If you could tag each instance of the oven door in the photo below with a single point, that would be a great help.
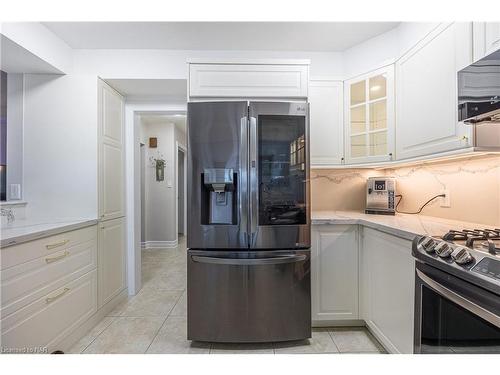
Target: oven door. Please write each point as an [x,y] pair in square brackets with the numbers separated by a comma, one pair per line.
[454,316]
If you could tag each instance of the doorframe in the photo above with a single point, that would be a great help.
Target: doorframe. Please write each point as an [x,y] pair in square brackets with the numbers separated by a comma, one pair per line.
[183,148]
[133,185]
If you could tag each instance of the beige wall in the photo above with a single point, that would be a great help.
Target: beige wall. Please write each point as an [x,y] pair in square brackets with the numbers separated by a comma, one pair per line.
[474,186]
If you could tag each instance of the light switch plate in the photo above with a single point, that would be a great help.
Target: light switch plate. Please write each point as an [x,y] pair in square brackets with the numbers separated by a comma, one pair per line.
[15,191]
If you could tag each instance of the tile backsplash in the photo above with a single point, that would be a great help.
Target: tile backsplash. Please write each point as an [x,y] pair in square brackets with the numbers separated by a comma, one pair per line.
[474,186]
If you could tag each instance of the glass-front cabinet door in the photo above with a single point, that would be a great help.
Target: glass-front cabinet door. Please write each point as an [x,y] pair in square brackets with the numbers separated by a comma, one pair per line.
[369,117]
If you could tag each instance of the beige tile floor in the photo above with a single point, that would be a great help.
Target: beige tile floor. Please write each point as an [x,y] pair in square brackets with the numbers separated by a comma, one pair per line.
[154,320]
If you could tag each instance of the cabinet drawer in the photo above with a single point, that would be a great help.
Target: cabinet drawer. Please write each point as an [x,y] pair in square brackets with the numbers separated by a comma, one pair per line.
[17,254]
[47,320]
[28,281]
[248,80]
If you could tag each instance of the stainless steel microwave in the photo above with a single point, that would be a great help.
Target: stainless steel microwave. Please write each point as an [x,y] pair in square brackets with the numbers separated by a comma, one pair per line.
[479,91]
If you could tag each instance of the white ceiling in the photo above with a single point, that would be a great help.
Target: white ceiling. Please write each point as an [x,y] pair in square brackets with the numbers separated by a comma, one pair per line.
[178,120]
[263,36]
[173,90]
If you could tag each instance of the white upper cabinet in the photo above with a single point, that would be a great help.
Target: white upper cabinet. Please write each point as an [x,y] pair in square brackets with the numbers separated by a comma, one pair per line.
[111,154]
[426,101]
[486,38]
[240,80]
[369,117]
[326,124]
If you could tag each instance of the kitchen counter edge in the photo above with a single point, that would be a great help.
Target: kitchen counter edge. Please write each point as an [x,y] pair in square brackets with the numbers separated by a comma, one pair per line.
[36,233]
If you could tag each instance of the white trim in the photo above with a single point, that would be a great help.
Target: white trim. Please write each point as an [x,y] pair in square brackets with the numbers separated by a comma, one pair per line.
[182,148]
[246,61]
[13,203]
[133,190]
[158,244]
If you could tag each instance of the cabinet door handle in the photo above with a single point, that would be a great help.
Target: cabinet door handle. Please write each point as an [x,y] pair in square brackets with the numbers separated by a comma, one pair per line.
[57,244]
[58,295]
[54,259]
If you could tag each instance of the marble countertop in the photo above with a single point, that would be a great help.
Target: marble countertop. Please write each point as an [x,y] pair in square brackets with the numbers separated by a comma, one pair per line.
[27,230]
[400,225]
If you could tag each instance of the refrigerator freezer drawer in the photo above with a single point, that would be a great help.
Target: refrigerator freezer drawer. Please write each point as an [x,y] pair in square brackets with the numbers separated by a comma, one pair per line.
[262,296]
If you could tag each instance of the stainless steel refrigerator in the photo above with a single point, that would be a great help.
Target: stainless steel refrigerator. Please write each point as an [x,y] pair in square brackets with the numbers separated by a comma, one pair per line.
[249,230]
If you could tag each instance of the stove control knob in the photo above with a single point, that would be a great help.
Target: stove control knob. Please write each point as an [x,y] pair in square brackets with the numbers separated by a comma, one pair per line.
[461,255]
[443,249]
[427,243]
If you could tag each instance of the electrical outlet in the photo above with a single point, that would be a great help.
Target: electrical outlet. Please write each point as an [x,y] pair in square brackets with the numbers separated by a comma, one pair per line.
[445,201]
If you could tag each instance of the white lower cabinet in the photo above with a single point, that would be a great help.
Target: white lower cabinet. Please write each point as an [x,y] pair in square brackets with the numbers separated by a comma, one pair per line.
[39,326]
[111,259]
[361,274]
[52,287]
[387,289]
[334,270]
[48,289]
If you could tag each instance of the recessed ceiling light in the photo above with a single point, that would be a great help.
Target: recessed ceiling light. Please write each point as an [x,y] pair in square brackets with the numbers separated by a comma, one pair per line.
[375,88]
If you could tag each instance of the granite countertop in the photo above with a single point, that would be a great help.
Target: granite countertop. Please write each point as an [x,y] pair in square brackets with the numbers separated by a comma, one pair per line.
[26,230]
[400,225]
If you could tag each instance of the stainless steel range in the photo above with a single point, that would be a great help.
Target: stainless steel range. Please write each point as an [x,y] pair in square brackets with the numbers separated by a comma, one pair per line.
[457,292]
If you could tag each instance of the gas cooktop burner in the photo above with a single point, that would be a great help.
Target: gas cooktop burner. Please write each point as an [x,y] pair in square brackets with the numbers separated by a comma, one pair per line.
[470,254]
[478,239]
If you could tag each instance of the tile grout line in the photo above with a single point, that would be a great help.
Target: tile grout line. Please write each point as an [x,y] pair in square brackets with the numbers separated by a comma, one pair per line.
[161,326]
[100,333]
[334,343]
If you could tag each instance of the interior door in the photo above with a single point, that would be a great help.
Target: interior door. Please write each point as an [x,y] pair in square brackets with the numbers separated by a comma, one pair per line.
[279,176]
[217,142]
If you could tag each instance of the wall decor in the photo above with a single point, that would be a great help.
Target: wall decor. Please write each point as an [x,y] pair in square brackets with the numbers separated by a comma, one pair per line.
[159,164]
[153,142]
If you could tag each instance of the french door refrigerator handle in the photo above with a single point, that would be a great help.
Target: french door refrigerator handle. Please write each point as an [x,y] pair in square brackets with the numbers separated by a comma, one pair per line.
[459,300]
[243,179]
[282,259]
[254,187]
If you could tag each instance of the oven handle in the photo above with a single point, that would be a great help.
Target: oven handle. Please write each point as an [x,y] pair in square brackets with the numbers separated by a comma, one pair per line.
[459,300]
[283,259]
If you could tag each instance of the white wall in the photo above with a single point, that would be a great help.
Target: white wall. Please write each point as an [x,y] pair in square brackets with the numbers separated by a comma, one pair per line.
[41,42]
[384,48]
[60,146]
[171,64]
[15,103]
[160,196]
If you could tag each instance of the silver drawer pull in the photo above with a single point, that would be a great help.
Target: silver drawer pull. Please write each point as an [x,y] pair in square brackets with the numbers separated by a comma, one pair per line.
[54,245]
[54,259]
[60,294]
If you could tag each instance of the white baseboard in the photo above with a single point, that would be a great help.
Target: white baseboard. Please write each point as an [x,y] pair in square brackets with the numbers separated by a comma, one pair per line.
[386,343]
[338,323]
[158,244]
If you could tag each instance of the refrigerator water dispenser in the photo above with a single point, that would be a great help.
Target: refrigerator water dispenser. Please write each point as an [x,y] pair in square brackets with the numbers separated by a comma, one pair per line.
[219,198]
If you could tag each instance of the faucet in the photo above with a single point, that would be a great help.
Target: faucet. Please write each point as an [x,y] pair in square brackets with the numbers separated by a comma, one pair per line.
[9,213]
